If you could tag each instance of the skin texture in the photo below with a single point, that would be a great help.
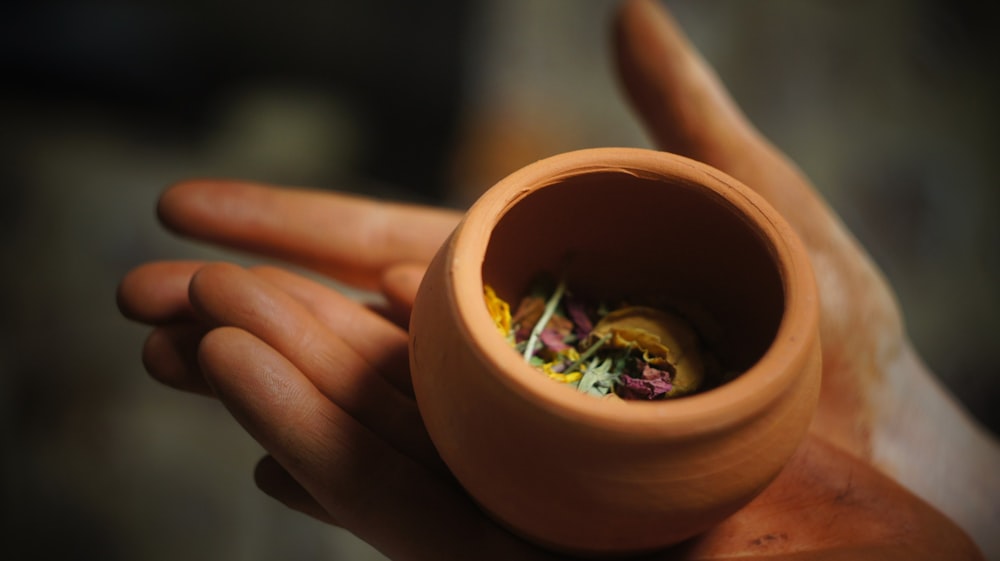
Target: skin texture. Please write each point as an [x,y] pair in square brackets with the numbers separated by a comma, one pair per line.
[321,381]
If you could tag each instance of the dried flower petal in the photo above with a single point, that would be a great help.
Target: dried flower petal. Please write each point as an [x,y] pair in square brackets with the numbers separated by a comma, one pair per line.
[581,321]
[566,378]
[553,340]
[528,312]
[641,388]
[499,310]
[665,340]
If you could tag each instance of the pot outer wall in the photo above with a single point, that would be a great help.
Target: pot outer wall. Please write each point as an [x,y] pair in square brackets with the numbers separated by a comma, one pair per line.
[609,477]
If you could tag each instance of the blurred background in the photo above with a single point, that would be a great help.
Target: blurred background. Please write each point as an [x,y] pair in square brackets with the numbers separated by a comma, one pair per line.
[889,106]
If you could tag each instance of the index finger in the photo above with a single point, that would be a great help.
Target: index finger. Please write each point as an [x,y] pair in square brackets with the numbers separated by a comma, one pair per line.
[348,237]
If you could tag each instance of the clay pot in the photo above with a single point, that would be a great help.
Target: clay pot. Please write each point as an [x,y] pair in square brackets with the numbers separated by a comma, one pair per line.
[595,476]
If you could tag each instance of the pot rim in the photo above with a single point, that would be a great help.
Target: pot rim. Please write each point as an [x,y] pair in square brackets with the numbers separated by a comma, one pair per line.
[733,402]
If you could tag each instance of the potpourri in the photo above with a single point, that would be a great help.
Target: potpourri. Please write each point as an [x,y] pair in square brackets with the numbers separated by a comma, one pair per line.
[629,351]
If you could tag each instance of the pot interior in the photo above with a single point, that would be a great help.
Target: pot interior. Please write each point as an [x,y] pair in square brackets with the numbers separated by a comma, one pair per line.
[666,243]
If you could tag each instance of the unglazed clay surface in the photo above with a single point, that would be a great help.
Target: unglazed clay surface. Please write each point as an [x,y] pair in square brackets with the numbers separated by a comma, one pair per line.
[608,477]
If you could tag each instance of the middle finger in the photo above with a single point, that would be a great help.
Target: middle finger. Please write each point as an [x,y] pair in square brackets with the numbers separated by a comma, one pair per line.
[368,333]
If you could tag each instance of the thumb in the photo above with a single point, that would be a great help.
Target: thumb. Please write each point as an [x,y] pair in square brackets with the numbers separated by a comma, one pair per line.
[688,111]
[681,100]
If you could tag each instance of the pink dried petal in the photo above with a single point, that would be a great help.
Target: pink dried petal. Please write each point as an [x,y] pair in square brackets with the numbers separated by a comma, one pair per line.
[650,372]
[639,388]
[553,340]
[652,383]
[581,321]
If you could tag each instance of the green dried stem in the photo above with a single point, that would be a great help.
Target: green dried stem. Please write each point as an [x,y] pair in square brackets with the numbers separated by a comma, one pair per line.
[550,308]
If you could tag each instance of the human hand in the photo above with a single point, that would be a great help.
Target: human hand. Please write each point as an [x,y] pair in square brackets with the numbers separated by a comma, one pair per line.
[878,401]
[322,381]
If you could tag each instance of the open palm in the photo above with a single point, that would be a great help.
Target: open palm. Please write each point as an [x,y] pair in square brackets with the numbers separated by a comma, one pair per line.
[322,381]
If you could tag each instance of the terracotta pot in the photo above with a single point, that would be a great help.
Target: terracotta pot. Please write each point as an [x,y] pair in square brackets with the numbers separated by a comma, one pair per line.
[605,477]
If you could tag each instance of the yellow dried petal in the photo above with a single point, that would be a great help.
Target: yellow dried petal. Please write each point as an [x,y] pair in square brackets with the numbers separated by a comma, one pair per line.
[565,378]
[499,310]
[663,339]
